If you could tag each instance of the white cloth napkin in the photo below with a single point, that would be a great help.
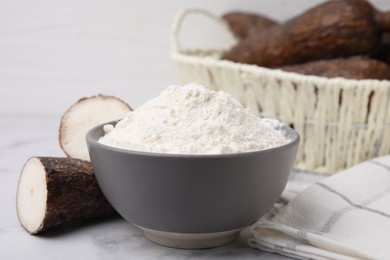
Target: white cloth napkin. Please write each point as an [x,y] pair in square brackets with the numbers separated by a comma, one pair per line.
[345,216]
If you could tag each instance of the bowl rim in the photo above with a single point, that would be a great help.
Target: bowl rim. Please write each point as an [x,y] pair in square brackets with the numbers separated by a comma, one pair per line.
[91,140]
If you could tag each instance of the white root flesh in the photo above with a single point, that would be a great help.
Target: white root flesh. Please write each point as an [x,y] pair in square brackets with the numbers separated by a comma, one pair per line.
[53,191]
[84,115]
[31,196]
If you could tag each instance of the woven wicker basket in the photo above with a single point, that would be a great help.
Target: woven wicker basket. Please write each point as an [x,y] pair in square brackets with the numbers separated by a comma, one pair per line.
[341,122]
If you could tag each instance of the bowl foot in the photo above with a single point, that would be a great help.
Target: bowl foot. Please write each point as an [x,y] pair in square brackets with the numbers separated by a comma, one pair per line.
[191,241]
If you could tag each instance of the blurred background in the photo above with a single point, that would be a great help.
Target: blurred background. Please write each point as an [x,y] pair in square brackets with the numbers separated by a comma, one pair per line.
[52,53]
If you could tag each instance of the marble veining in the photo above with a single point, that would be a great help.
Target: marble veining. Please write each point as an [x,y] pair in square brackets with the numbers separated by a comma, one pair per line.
[107,238]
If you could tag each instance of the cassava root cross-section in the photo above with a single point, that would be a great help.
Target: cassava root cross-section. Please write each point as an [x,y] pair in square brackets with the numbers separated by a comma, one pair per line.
[53,191]
[84,115]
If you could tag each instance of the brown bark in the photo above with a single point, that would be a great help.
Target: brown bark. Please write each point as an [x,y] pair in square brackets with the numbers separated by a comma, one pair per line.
[382,51]
[350,68]
[383,19]
[244,24]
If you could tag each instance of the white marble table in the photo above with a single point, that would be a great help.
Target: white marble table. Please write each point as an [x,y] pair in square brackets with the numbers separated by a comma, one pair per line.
[109,238]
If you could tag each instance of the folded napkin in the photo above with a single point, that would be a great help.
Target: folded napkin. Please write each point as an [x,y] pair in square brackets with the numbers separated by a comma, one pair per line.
[345,216]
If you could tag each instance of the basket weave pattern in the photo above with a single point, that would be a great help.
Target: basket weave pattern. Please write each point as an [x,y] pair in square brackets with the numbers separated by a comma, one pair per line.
[341,122]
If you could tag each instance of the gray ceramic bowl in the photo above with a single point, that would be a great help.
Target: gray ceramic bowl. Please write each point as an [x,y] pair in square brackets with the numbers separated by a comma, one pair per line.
[191,201]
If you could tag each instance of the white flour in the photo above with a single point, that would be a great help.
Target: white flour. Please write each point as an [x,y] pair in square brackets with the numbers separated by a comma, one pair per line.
[193,120]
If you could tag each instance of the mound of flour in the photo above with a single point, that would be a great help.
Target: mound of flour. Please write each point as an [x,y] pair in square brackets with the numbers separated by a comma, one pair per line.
[191,119]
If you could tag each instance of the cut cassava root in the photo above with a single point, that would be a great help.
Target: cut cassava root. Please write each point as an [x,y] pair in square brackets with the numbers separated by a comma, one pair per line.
[84,115]
[53,191]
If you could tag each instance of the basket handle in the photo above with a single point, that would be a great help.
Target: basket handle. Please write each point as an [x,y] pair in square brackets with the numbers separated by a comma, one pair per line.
[180,17]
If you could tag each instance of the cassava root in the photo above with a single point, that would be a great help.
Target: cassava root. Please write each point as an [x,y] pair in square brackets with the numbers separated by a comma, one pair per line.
[349,68]
[244,24]
[53,191]
[333,29]
[82,116]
